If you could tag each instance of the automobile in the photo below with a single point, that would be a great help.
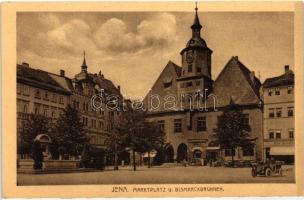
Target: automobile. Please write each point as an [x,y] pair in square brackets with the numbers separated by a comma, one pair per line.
[197,162]
[268,168]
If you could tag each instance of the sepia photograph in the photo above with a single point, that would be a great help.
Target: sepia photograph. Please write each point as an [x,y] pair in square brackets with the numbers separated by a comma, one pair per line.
[124,99]
[155,97]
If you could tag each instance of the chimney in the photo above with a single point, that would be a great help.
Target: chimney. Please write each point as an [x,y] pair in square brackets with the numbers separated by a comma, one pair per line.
[62,72]
[118,87]
[286,68]
[25,64]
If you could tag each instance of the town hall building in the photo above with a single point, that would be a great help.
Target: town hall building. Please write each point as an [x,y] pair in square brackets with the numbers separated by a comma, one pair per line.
[189,119]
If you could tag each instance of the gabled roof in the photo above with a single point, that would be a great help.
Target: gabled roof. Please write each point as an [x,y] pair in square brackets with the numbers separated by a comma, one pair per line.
[237,83]
[285,79]
[38,78]
[105,84]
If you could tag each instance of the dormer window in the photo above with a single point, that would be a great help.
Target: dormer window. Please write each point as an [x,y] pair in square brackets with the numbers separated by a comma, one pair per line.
[167,82]
[289,90]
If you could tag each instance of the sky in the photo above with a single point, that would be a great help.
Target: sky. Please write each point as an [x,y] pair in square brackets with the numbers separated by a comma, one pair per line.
[132,48]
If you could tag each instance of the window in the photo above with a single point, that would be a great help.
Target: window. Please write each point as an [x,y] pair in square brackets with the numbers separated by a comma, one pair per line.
[45,112]
[201,124]
[19,89]
[248,152]
[25,108]
[271,135]
[167,85]
[189,84]
[270,92]
[190,68]
[177,125]
[46,95]
[37,93]
[161,125]
[290,111]
[245,119]
[54,98]
[279,112]
[198,83]
[277,91]
[278,135]
[229,152]
[61,99]
[291,133]
[289,90]
[189,97]
[26,90]
[271,113]
[198,69]
[100,124]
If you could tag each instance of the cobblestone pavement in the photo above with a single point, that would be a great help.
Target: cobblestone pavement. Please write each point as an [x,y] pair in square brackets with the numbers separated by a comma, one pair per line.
[144,175]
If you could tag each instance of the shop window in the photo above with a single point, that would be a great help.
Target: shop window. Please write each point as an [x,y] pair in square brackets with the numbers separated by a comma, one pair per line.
[177,125]
[229,152]
[248,152]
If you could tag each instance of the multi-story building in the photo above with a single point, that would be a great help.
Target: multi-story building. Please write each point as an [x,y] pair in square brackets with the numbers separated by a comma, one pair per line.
[38,93]
[278,97]
[48,94]
[187,102]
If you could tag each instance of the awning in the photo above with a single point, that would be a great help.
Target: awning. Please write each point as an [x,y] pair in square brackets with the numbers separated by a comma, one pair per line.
[281,151]
[213,148]
[152,154]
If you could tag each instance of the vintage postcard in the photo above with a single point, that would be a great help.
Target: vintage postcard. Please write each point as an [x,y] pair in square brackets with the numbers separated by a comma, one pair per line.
[152,99]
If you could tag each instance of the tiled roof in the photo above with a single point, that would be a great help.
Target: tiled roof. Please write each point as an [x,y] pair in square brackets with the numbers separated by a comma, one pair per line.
[285,79]
[38,78]
[177,68]
[105,84]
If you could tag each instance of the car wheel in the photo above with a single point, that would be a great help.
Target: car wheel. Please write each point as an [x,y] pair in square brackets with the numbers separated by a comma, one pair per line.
[267,172]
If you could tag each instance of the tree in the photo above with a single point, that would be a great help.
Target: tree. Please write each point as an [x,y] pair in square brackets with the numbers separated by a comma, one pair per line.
[31,127]
[69,133]
[232,130]
[152,138]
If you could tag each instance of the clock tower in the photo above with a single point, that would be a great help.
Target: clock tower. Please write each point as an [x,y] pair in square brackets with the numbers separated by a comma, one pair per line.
[196,64]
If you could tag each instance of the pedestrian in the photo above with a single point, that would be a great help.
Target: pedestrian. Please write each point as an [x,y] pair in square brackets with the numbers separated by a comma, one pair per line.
[185,163]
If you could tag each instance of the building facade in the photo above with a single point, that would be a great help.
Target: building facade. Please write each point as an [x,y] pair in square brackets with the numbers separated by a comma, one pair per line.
[48,94]
[186,102]
[278,97]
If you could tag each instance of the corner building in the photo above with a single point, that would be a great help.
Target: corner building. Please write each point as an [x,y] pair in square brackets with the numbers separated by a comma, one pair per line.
[189,119]
[278,97]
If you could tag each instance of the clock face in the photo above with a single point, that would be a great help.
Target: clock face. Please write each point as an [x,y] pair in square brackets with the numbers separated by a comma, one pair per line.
[189,56]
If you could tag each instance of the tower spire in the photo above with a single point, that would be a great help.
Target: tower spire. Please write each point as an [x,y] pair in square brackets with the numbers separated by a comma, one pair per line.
[196,27]
[84,64]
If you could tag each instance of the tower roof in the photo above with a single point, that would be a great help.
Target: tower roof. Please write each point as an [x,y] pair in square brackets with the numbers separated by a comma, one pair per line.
[196,23]
[84,64]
